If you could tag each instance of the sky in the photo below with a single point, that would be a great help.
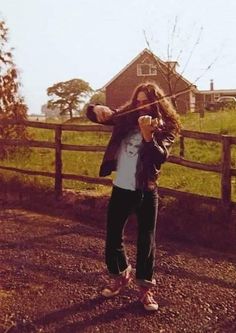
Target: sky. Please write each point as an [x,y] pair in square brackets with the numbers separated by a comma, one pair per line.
[58,40]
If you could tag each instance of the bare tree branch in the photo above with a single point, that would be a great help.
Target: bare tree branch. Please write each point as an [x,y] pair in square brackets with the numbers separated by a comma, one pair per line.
[172,38]
[190,56]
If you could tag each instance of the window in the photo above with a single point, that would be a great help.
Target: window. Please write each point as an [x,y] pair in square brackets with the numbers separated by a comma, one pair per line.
[146,69]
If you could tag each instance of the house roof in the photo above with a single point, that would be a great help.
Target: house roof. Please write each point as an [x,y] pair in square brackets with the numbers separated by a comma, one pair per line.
[218,91]
[138,56]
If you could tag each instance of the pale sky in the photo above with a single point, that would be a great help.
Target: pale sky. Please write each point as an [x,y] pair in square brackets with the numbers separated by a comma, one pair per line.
[58,40]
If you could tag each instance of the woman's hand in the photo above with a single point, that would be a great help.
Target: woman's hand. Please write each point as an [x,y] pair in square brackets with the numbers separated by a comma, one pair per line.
[147,126]
[103,113]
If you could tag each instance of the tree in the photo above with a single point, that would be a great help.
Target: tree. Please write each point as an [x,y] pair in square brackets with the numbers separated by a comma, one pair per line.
[97,98]
[172,87]
[12,106]
[68,95]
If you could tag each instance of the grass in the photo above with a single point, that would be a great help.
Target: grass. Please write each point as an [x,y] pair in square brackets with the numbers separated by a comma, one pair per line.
[172,176]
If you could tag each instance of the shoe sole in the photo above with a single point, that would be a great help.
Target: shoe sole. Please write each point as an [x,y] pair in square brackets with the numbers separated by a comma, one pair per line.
[150,309]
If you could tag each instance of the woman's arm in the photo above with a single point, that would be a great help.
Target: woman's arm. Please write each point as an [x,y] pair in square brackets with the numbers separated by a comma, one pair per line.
[100,114]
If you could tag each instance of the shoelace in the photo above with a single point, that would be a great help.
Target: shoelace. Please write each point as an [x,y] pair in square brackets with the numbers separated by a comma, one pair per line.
[148,298]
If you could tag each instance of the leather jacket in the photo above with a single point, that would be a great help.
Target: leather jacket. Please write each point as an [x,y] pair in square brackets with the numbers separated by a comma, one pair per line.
[152,154]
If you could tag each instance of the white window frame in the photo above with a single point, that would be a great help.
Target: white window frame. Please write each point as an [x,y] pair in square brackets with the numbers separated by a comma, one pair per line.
[152,69]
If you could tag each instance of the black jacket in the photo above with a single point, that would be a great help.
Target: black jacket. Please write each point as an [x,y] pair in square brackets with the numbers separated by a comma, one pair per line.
[152,154]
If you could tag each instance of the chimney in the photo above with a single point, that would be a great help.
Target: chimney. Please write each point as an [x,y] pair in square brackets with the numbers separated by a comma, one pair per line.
[212,85]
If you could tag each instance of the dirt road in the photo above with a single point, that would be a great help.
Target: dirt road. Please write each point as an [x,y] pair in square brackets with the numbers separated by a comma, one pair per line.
[52,272]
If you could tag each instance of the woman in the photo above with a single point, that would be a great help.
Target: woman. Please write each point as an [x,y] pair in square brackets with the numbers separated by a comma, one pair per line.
[143,133]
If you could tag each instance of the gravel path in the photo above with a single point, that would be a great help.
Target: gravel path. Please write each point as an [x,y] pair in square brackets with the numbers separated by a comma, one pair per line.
[52,272]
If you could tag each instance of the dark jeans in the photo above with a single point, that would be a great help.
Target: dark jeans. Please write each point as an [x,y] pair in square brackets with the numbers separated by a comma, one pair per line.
[122,204]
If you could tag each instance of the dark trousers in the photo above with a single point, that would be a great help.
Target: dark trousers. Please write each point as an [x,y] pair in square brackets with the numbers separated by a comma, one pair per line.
[122,204]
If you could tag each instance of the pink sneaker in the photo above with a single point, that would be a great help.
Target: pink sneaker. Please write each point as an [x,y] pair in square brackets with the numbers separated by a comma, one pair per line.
[116,285]
[146,298]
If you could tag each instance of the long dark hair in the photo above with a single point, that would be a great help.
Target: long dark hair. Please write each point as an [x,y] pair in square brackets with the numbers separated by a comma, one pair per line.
[160,107]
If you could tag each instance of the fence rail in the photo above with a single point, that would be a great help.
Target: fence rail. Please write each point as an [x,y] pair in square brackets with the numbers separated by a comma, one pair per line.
[224,168]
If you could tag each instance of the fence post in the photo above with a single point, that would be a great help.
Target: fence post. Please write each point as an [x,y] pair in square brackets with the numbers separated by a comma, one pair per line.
[226,173]
[181,146]
[58,162]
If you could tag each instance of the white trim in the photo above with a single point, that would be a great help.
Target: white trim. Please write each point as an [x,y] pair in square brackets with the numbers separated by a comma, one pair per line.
[218,91]
[152,70]
[136,58]
[124,69]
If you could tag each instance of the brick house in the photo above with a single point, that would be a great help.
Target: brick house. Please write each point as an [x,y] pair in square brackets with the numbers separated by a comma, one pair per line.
[148,67]
[206,97]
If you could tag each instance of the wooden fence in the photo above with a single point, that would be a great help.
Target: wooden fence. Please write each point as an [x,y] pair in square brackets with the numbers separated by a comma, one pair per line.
[224,168]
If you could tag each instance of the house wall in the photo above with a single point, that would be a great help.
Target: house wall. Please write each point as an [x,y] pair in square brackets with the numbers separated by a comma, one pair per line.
[200,102]
[203,98]
[183,102]
[119,91]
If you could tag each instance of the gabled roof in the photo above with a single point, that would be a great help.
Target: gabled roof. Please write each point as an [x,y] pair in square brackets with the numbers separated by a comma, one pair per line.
[136,58]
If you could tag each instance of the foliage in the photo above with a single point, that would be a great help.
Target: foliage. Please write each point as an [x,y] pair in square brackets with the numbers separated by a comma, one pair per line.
[97,98]
[12,105]
[172,176]
[67,96]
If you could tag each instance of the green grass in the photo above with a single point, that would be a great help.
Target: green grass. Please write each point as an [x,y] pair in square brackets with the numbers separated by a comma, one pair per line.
[190,180]
[221,122]
[87,163]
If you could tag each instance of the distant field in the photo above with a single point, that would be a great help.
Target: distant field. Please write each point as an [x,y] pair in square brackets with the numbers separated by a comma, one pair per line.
[172,176]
